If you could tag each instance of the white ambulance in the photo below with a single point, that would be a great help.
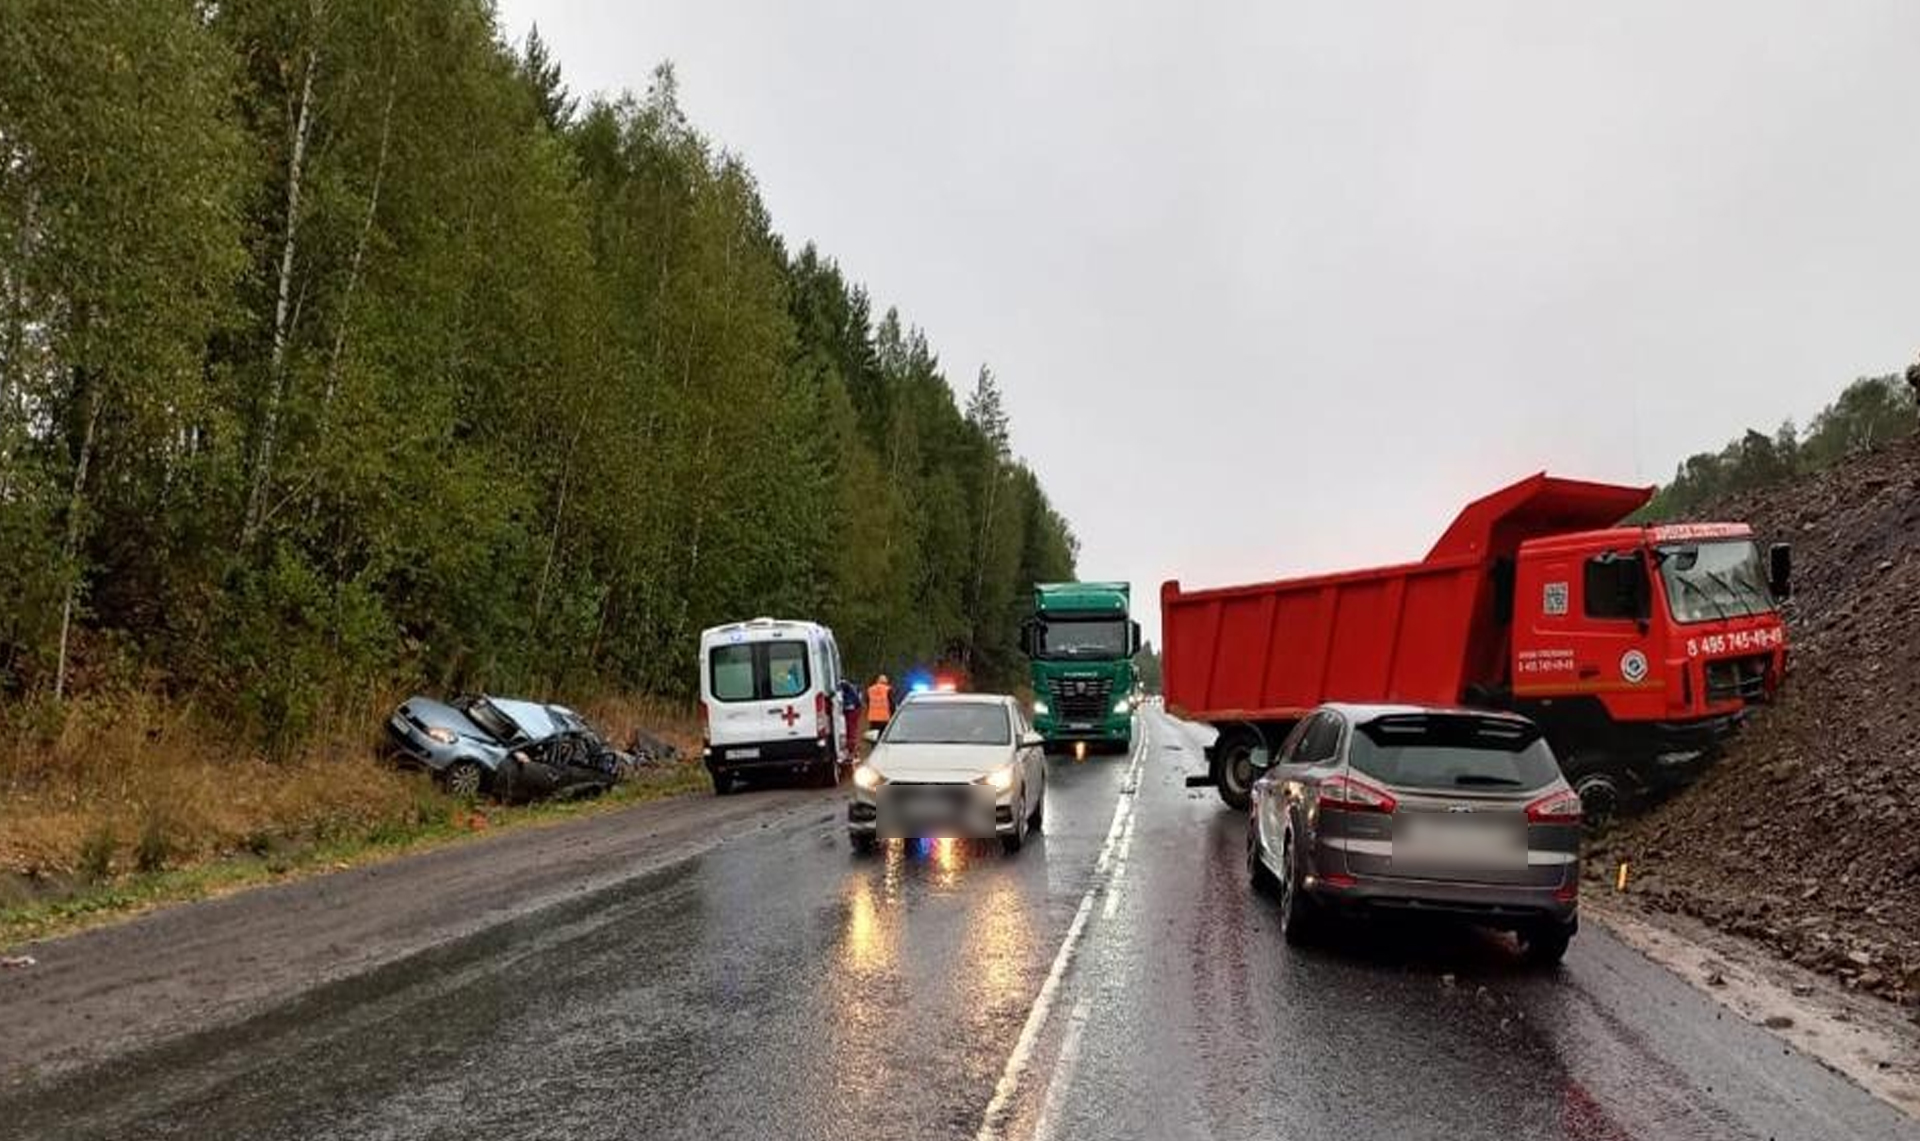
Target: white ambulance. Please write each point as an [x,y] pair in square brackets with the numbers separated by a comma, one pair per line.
[770,700]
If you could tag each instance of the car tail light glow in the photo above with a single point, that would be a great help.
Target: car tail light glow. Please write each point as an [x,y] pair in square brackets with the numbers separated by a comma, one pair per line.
[1568,892]
[1348,794]
[1555,808]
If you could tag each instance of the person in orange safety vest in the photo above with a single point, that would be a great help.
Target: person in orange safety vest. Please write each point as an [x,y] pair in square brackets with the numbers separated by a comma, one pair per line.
[879,703]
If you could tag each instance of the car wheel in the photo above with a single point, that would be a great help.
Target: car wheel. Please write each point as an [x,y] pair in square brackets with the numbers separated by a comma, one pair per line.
[724,784]
[1038,818]
[1258,873]
[1299,915]
[1545,944]
[465,779]
[863,843]
[1015,840]
[828,775]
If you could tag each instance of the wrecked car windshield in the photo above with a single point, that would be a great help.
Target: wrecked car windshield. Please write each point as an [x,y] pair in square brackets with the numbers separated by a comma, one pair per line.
[485,714]
[1714,581]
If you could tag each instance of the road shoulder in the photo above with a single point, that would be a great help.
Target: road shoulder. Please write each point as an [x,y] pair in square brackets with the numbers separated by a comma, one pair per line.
[1865,1039]
[112,990]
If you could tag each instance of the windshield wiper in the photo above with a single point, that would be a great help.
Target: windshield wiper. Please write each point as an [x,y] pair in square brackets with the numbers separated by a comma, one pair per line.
[1681,578]
[1732,592]
[1484,780]
[1764,598]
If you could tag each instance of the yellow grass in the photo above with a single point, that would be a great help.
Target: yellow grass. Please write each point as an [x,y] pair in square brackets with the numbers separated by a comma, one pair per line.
[136,783]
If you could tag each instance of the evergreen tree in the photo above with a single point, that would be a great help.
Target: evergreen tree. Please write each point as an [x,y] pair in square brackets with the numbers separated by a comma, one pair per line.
[541,73]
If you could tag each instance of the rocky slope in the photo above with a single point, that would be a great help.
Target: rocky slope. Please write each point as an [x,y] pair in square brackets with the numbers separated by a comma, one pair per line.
[1806,836]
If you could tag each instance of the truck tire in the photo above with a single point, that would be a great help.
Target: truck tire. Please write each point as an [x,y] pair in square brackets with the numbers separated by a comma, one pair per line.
[1601,784]
[1233,765]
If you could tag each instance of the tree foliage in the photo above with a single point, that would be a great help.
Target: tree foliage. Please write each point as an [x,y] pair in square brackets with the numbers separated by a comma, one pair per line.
[1869,412]
[342,348]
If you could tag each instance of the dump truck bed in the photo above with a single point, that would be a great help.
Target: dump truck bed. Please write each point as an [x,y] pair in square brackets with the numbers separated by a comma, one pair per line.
[1416,632]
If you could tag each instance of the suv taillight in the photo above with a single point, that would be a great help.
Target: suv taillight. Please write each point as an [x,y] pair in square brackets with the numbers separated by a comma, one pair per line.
[1346,794]
[823,710]
[1555,808]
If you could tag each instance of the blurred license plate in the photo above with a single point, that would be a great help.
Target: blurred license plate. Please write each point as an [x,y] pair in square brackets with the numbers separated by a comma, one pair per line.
[742,754]
[1460,841]
[935,810]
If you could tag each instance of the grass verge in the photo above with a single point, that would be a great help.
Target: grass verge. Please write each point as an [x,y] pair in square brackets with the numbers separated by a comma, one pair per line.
[64,908]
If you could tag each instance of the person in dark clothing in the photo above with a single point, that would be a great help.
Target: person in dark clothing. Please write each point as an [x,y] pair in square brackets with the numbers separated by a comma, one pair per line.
[850,705]
[1913,381]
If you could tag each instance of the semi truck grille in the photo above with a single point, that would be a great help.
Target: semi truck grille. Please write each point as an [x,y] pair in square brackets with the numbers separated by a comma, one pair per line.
[1080,699]
[1745,678]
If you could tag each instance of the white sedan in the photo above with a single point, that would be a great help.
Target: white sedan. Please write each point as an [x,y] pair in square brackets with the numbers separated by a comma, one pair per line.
[951,764]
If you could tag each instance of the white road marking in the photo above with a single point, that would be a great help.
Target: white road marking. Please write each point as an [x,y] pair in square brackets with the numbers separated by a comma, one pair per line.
[1008,1086]
[1119,869]
[1062,1077]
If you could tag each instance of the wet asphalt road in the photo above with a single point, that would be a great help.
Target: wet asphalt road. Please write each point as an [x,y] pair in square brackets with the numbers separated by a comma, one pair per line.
[1115,979]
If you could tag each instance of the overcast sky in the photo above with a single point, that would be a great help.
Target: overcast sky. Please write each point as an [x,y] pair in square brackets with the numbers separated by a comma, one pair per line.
[1274,288]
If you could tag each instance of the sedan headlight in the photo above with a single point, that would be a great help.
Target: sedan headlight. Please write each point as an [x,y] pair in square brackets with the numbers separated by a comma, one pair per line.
[443,734]
[868,777]
[1000,780]
[1040,709]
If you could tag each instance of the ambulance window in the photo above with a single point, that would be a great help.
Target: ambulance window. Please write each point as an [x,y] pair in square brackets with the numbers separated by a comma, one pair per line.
[786,669]
[733,672]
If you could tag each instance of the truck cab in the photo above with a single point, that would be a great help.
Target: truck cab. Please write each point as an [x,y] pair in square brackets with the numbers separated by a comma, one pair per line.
[1081,642]
[1666,633]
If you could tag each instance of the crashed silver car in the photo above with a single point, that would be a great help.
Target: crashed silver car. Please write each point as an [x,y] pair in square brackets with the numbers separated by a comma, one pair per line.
[504,748]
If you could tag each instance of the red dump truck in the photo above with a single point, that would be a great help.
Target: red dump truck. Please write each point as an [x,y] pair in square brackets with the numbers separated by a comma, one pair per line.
[1637,648]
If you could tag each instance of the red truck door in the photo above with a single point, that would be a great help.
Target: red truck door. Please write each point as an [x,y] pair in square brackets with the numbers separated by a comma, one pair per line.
[1581,629]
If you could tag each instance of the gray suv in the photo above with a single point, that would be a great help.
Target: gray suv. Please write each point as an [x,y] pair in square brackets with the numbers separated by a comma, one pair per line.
[1419,809]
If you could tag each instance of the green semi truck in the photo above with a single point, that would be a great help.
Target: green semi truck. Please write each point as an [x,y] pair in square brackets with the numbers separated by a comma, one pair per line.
[1081,643]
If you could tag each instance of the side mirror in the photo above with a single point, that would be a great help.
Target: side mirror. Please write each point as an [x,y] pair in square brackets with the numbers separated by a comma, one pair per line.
[1133,638]
[871,736]
[1032,740]
[1780,571]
